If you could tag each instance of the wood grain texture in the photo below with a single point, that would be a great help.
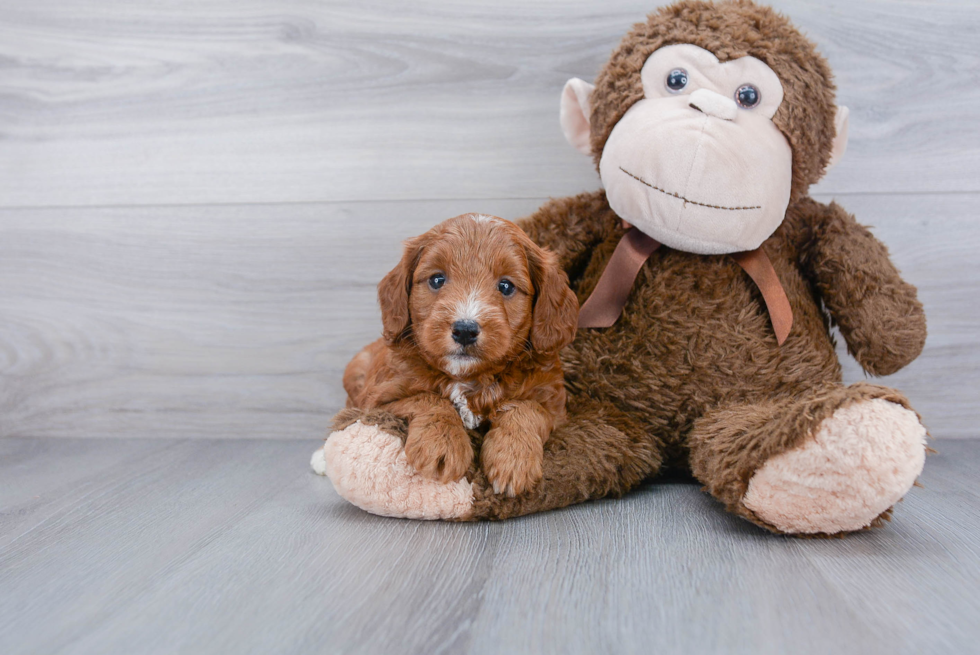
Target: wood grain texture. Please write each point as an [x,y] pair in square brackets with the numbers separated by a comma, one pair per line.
[202,546]
[112,102]
[237,321]
[232,321]
[129,310]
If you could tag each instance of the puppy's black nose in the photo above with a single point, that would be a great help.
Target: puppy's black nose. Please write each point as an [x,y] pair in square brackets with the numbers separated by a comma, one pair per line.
[465,332]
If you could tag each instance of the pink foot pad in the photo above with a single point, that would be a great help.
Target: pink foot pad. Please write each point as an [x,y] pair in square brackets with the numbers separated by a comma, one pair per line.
[368,469]
[860,462]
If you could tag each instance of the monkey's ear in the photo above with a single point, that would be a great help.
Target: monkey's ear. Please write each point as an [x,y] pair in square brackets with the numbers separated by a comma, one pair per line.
[840,139]
[575,111]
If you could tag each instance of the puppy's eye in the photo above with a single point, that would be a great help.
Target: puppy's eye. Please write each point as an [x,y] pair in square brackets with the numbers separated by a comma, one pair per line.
[436,281]
[506,287]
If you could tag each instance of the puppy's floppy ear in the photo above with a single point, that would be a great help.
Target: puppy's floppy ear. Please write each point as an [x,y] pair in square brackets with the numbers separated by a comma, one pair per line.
[555,315]
[394,289]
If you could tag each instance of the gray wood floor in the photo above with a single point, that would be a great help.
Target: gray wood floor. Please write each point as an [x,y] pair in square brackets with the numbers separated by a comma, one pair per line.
[204,546]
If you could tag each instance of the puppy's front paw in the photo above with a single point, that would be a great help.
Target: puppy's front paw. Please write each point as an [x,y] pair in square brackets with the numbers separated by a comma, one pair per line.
[438,451]
[512,461]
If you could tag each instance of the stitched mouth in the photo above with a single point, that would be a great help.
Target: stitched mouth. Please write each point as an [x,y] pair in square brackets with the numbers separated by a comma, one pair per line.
[687,200]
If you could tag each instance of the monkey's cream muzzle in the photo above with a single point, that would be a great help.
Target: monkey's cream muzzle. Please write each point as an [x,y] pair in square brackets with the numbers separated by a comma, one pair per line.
[694,179]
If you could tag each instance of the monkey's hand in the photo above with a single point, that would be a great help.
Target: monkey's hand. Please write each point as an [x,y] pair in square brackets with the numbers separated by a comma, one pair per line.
[877,311]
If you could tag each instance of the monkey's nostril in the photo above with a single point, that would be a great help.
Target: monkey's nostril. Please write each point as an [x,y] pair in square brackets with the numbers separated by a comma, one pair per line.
[465,332]
[714,104]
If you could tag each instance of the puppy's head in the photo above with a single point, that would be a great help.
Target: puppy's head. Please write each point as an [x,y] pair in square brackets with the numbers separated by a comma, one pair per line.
[475,291]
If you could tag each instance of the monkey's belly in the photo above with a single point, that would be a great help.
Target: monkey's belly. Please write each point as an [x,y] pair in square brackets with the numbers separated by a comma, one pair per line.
[695,334]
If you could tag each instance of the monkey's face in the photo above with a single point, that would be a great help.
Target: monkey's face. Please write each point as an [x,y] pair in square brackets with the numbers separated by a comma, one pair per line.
[700,154]
[698,164]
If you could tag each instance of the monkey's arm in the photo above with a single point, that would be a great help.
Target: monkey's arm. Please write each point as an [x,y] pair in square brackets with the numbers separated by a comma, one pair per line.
[571,227]
[877,311]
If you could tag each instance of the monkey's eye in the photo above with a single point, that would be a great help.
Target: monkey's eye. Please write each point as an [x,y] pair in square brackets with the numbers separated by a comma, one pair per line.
[676,79]
[747,96]
[436,281]
[506,287]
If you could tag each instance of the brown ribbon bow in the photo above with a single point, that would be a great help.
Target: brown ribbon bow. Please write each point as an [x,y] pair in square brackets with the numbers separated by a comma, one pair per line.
[604,306]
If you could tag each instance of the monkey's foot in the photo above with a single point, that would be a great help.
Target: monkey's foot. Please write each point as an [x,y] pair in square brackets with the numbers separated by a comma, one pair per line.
[368,468]
[861,461]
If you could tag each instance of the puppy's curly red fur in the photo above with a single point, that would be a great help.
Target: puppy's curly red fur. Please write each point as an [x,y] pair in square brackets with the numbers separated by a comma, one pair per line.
[484,272]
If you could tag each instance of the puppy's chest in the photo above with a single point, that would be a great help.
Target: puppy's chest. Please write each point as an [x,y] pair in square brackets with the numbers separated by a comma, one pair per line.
[473,402]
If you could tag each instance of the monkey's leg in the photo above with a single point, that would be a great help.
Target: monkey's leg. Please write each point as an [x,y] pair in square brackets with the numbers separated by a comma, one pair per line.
[587,457]
[834,460]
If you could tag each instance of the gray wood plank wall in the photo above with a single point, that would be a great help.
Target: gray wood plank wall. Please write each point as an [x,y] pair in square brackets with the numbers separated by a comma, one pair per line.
[197,198]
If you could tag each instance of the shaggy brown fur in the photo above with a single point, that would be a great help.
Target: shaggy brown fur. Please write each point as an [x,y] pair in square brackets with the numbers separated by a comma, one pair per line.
[691,376]
[509,375]
[693,366]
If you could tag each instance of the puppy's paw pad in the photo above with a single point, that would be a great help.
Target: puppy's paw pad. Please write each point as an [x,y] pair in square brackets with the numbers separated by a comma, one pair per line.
[369,469]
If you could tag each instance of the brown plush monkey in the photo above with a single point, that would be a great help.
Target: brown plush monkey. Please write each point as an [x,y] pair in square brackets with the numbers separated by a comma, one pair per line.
[708,125]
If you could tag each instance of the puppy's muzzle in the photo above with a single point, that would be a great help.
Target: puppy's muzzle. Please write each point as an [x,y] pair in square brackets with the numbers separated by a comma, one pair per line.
[465,332]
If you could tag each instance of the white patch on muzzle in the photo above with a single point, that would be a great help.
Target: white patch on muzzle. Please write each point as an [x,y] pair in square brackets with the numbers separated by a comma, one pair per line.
[469,309]
[458,365]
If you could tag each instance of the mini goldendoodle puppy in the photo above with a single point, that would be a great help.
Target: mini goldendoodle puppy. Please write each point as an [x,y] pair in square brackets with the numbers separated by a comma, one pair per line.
[474,317]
